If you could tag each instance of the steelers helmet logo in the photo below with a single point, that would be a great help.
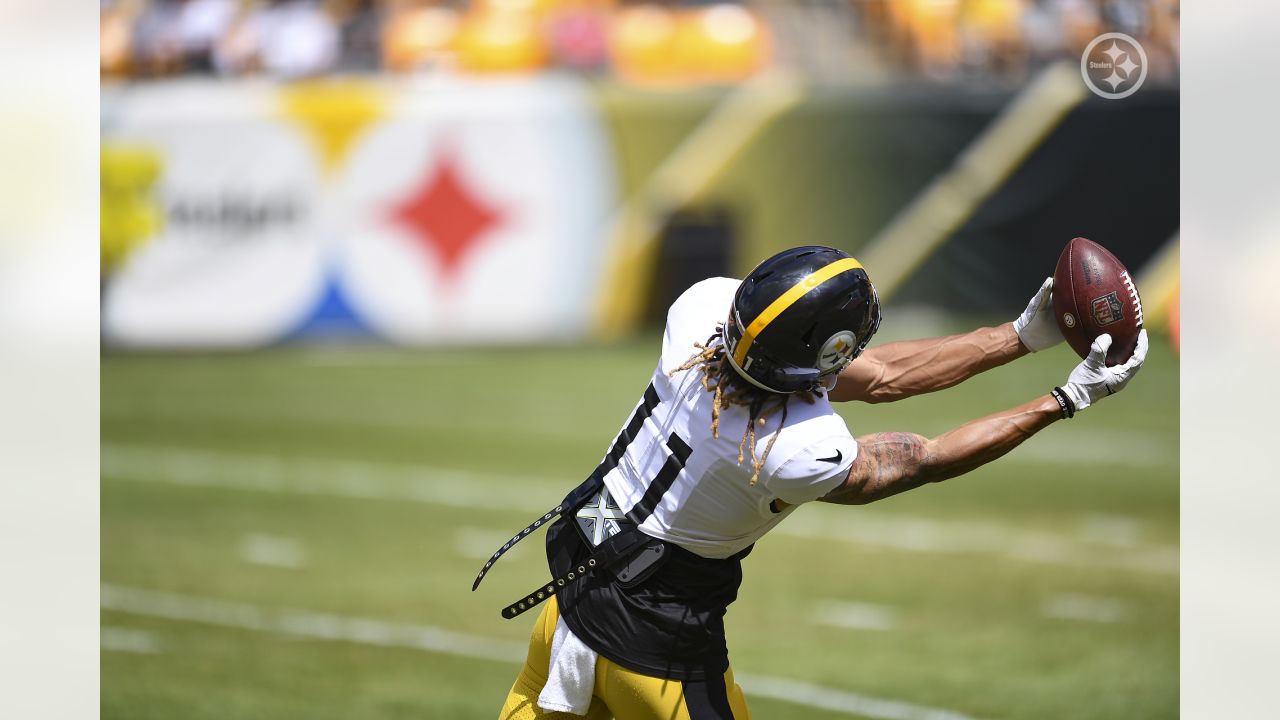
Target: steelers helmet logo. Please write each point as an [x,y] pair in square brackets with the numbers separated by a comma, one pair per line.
[1069,320]
[837,351]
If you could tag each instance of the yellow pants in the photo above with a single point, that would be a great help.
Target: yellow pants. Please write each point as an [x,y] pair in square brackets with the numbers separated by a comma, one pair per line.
[620,692]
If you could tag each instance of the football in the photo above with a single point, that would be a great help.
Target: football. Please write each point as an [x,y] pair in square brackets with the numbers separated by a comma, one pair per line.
[1094,294]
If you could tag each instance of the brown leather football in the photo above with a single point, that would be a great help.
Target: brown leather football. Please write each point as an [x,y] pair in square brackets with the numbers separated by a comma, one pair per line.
[1094,294]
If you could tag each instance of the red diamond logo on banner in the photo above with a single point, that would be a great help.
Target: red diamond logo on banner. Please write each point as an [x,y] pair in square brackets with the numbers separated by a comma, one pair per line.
[446,217]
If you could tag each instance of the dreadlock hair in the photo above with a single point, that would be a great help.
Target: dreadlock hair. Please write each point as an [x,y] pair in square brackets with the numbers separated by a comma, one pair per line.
[719,377]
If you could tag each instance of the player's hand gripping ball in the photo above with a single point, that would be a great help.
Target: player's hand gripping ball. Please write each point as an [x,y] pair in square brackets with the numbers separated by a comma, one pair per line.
[1093,295]
[1092,380]
[1035,326]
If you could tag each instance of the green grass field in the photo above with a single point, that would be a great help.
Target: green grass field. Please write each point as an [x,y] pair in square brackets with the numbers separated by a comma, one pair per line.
[293,533]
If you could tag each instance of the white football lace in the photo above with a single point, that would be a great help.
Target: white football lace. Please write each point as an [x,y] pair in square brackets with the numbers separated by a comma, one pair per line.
[1133,294]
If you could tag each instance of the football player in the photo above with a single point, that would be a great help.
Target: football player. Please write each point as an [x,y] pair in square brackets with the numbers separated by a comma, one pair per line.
[736,430]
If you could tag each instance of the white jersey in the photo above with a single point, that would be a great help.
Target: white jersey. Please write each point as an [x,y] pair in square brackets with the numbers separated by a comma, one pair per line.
[689,487]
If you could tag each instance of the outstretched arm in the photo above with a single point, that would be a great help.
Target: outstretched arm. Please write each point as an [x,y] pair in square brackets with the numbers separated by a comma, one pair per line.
[890,463]
[901,369]
[894,462]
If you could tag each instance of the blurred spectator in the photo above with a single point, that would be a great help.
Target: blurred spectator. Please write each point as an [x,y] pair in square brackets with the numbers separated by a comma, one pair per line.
[1126,16]
[1163,50]
[641,41]
[285,38]
[198,27]
[418,35]
[502,37]
[708,43]
[237,51]
[118,18]
[579,32]
[168,36]
[156,50]
[360,35]
[1080,22]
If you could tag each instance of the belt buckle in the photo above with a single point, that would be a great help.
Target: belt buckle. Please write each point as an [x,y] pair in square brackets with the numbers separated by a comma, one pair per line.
[600,518]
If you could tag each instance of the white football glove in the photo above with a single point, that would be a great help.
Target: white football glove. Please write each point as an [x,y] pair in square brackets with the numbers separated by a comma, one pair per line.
[1036,327]
[1092,380]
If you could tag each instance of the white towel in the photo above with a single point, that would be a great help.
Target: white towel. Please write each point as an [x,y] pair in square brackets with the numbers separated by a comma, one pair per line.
[571,678]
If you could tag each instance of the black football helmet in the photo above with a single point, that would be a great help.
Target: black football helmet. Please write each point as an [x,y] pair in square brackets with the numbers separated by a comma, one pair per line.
[799,318]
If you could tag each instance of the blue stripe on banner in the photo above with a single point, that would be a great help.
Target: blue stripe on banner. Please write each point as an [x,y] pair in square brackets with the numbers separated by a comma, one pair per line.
[331,317]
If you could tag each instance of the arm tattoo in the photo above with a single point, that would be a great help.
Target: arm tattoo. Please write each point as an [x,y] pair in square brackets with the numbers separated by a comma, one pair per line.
[894,462]
[887,464]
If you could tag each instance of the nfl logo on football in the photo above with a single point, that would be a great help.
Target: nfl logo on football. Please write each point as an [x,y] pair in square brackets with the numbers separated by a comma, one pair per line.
[1107,309]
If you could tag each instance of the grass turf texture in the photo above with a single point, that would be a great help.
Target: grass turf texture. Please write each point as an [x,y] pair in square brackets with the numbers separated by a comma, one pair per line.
[1043,586]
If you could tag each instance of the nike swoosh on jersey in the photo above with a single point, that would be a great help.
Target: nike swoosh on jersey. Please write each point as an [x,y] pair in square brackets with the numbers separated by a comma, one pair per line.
[834,460]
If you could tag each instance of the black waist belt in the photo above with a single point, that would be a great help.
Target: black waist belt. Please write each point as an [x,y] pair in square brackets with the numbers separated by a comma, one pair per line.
[608,551]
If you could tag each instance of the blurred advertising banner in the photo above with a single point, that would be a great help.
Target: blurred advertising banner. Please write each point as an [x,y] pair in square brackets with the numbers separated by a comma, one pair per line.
[437,210]
[409,212]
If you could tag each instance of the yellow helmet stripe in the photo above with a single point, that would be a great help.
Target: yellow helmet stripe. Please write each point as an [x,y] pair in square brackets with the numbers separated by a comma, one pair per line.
[786,300]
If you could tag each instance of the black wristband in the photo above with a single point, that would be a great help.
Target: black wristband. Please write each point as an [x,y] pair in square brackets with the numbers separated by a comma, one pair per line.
[1064,402]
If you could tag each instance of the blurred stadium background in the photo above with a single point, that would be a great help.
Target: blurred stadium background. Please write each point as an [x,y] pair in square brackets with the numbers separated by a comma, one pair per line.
[381,279]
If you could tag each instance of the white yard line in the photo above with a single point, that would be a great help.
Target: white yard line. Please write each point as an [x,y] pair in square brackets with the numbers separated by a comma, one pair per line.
[273,551]
[855,615]
[1080,446]
[480,491]
[558,423]
[366,631]
[1114,530]
[915,534]
[1090,608]
[340,478]
[354,356]
[304,623]
[116,639]
[841,701]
